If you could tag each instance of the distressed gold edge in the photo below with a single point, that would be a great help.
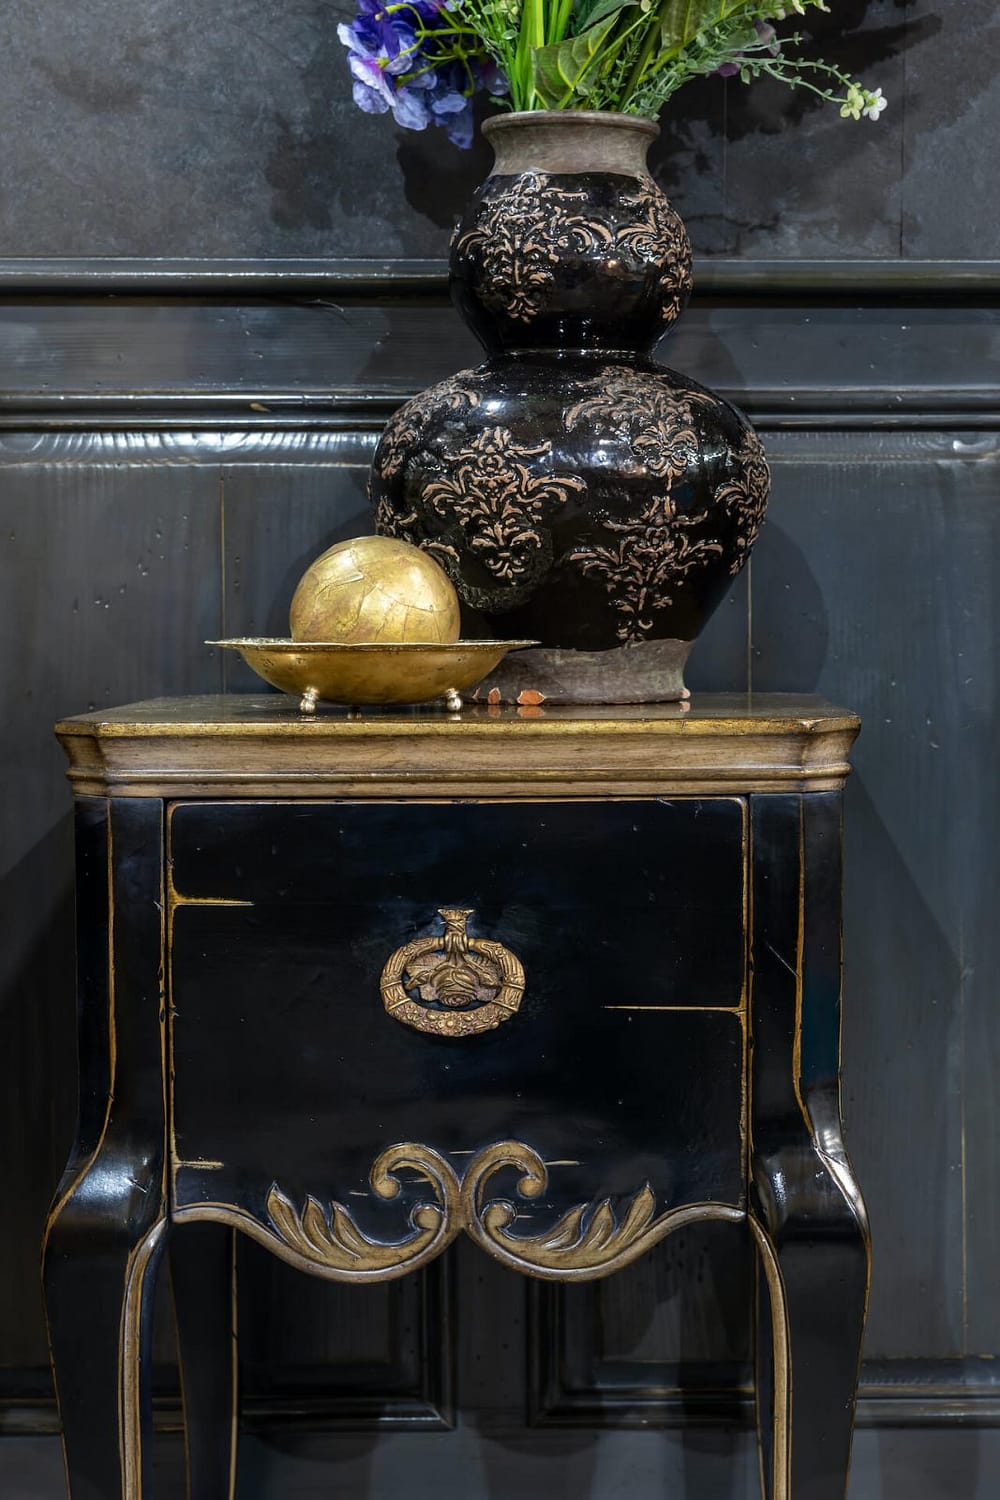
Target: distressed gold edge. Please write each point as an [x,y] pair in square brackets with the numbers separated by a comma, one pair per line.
[579,748]
[781,1366]
[758,1434]
[170,914]
[673,1220]
[234,1369]
[747,875]
[855,1197]
[842,1172]
[238,1218]
[137,1265]
[748,1096]
[230,1213]
[471,723]
[565,785]
[129,1360]
[800,939]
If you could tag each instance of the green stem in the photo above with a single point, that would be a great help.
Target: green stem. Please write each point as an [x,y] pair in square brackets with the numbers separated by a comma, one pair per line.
[531,35]
[559,21]
[649,48]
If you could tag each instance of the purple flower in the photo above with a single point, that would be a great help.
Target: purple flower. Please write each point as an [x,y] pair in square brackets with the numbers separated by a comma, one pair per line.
[370,79]
[763,33]
[405,60]
[767,34]
[410,109]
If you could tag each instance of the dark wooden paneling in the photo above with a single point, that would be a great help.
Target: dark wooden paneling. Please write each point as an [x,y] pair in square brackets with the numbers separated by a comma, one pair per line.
[106,570]
[137,364]
[357,1356]
[868,585]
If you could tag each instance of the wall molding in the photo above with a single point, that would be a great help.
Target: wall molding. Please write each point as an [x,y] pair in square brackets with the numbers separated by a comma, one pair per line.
[336,1413]
[941,1394]
[839,408]
[910,1393]
[717,278]
[930,1403]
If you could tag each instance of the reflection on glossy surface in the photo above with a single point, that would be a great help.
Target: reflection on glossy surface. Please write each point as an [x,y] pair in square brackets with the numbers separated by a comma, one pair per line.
[572,489]
[369,672]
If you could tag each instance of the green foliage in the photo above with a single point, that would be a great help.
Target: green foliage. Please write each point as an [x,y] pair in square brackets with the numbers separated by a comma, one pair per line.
[682,20]
[632,55]
[565,71]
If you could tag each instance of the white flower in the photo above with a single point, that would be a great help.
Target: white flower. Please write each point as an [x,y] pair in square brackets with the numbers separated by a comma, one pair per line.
[874,104]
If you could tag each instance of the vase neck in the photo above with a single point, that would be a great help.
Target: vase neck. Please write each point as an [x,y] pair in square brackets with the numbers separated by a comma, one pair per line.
[569,142]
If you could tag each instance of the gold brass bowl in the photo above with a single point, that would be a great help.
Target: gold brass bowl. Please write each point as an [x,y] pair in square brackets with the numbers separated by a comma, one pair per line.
[371,672]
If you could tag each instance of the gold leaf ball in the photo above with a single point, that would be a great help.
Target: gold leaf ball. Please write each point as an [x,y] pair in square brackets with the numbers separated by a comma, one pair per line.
[374,588]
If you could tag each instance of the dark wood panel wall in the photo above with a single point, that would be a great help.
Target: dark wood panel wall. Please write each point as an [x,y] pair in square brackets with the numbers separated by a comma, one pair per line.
[179,436]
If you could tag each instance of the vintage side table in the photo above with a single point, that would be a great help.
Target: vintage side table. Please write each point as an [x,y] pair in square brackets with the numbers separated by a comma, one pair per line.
[562,980]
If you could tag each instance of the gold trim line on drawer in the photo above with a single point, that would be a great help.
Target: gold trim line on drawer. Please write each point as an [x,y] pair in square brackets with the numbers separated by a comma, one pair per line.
[587,1242]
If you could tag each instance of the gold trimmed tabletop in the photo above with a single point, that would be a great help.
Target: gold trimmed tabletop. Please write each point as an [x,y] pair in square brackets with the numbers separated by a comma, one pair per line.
[251,745]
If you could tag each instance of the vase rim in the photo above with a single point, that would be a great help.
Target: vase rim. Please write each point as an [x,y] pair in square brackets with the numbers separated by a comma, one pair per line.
[606,118]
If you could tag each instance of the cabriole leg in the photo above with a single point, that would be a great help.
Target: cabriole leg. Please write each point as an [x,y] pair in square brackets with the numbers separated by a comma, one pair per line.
[99,1274]
[203,1273]
[812,1297]
[107,1229]
[806,1209]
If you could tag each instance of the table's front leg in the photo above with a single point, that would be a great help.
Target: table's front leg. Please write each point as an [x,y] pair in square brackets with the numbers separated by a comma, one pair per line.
[807,1213]
[108,1226]
[203,1275]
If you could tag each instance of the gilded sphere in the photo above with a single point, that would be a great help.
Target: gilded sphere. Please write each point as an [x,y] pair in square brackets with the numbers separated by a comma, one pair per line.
[374,588]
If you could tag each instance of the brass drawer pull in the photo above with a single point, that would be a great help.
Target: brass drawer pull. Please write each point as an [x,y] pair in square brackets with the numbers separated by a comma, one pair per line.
[451,984]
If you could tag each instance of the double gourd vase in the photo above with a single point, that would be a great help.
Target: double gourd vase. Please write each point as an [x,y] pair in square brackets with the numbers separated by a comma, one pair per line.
[576,492]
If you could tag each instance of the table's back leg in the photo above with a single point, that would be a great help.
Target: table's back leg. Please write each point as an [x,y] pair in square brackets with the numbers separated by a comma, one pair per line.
[107,1228]
[203,1273]
[806,1207]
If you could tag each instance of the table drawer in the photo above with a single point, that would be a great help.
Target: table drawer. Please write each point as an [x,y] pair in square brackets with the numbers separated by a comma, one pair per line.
[613,934]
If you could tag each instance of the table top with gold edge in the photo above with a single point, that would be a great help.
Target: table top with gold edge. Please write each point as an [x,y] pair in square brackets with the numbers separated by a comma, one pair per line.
[260,746]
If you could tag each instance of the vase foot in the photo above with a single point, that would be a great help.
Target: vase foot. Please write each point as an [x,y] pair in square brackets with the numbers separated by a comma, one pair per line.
[649,672]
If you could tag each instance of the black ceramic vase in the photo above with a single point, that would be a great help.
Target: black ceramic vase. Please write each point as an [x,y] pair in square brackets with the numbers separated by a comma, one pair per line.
[575,492]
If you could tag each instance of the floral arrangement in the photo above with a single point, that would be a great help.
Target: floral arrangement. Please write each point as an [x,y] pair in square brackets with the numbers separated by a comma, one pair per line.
[425,59]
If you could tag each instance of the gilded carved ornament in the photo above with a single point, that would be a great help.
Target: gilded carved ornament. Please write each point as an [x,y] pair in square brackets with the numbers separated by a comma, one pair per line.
[588,1241]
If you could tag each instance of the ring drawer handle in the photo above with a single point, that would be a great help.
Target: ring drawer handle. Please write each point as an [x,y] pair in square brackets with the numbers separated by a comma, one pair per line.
[451,984]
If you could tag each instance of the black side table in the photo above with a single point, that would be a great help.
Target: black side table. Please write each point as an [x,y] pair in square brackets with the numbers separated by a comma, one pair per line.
[562,980]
